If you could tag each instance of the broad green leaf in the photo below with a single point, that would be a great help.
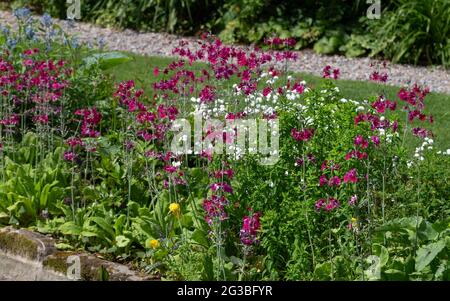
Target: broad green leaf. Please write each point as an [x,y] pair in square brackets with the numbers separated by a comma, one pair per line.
[122,241]
[395,275]
[104,225]
[70,228]
[107,60]
[120,222]
[323,271]
[427,253]
[199,237]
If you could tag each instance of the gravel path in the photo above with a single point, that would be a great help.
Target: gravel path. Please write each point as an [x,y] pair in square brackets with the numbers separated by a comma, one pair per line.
[161,44]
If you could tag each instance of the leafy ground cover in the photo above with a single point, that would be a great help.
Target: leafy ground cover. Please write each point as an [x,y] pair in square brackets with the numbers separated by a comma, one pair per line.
[341,181]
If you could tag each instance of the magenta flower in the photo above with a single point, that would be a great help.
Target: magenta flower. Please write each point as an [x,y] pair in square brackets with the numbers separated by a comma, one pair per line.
[207,94]
[376,140]
[304,135]
[327,206]
[379,77]
[69,156]
[224,173]
[360,141]
[250,227]
[323,180]
[267,91]
[353,200]
[421,132]
[215,209]
[334,181]
[327,72]
[319,204]
[222,186]
[351,176]
[332,204]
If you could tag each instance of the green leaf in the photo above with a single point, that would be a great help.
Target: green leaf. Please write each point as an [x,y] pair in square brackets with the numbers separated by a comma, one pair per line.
[122,241]
[120,222]
[104,225]
[395,275]
[199,237]
[427,253]
[107,60]
[382,253]
[103,274]
[323,271]
[236,261]
[70,228]
[63,246]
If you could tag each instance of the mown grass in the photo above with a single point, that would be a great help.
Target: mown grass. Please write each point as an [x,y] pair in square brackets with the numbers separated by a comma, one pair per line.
[141,70]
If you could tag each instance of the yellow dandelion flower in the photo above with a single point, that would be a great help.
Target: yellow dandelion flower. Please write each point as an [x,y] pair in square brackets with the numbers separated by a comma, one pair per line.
[174,208]
[153,244]
[354,220]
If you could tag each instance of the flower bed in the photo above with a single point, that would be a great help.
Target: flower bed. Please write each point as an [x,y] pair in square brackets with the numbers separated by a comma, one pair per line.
[323,187]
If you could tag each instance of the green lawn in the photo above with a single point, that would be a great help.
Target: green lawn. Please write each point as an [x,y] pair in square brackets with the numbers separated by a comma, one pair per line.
[141,70]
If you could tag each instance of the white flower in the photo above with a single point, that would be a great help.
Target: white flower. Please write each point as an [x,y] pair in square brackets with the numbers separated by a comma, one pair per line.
[176,163]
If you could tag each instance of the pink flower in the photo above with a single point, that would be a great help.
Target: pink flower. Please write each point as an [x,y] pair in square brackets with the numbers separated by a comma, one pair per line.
[215,209]
[353,200]
[323,180]
[327,206]
[207,94]
[334,181]
[420,132]
[379,77]
[170,168]
[223,186]
[327,72]
[69,156]
[359,140]
[267,91]
[304,135]
[351,176]
[250,227]
[376,140]
[336,73]
[156,71]
[332,204]
[319,204]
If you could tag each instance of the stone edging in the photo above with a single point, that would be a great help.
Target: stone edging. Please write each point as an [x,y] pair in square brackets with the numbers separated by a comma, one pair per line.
[38,249]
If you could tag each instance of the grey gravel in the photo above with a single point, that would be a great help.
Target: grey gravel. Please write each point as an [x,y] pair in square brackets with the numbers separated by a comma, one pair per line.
[161,44]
